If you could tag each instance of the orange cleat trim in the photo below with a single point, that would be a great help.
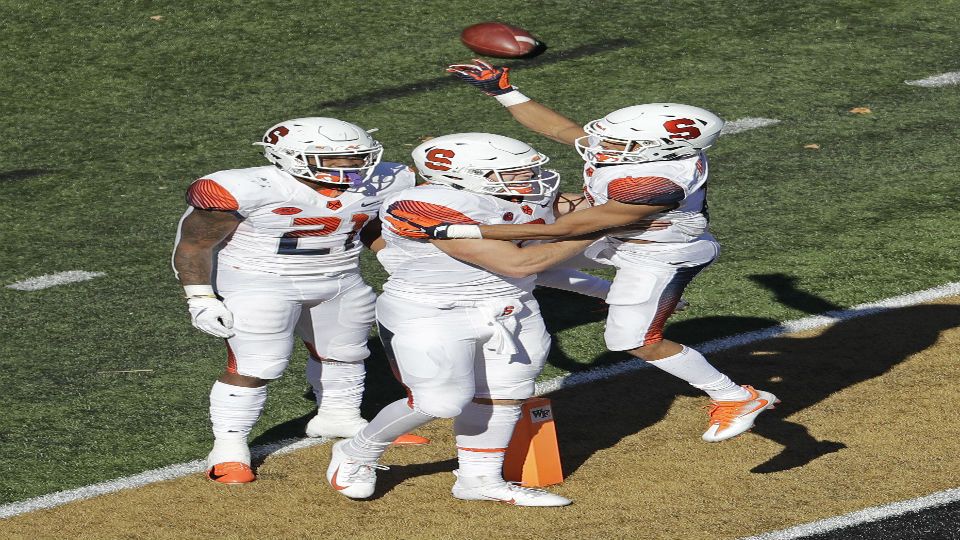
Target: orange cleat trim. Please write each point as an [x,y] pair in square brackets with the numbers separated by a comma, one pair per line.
[410,439]
[723,413]
[231,472]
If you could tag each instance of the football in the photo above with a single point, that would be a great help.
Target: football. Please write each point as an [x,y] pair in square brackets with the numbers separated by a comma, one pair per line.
[499,40]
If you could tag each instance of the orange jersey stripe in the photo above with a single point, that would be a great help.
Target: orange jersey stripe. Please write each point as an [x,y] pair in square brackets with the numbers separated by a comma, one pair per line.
[209,195]
[231,359]
[645,190]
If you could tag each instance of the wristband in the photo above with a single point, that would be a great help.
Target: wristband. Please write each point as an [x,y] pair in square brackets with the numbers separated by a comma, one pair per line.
[464,231]
[511,98]
[199,291]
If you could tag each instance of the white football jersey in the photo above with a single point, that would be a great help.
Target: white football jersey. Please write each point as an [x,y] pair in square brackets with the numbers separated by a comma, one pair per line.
[289,228]
[420,271]
[682,182]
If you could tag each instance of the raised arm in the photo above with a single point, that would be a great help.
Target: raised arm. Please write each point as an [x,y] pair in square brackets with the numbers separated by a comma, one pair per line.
[495,81]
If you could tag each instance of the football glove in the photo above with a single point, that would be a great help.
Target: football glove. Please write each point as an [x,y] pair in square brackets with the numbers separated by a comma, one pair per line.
[492,81]
[413,226]
[211,316]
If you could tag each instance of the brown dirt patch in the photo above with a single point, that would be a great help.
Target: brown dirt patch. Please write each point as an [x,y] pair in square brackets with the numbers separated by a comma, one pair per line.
[868,417]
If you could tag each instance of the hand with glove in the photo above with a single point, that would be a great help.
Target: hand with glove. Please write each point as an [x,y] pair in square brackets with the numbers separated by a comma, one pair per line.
[411,225]
[492,81]
[209,314]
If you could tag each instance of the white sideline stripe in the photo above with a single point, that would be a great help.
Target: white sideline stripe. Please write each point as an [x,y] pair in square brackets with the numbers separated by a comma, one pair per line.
[943,79]
[52,280]
[789,327]
[565,381]
[874,513]
[142,479]
[745,124]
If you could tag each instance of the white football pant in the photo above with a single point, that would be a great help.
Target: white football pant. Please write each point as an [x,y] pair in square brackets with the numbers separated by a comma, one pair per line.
[445,356]
[332,315]
[649,282]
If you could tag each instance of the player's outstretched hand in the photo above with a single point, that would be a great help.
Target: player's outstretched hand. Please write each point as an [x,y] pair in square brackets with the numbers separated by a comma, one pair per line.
[211,316]
[493,81]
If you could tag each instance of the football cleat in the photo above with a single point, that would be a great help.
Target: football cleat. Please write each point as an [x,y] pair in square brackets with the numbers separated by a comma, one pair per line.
[731,418]
[350,477]
[483,488]
[335,425]
[231,472]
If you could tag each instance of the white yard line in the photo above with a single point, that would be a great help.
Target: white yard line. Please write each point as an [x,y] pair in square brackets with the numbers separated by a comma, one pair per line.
[149,477]
[874,513]
[52,280]
[745,124]
[943,79]
[565,381]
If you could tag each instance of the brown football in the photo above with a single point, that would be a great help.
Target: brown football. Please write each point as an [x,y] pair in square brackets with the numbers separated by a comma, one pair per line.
[499,40]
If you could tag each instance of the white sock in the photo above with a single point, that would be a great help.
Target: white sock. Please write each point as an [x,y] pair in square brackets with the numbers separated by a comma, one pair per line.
[574,281]
[336,385]
[483,434]
[723,389]
[233,412]
[391,422]
[691,366]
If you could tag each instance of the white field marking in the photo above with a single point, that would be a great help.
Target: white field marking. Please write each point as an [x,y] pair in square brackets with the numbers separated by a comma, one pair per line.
[874,513]
[149,477]
[789,327]
[574,379]
[52,280]
[746,124]
[943,79]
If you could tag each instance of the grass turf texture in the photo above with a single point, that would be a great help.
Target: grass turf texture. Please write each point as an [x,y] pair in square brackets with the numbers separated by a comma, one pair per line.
[109,115]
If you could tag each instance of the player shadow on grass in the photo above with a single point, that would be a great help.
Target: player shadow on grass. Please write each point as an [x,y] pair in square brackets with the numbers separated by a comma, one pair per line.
[22,174]
[800,371]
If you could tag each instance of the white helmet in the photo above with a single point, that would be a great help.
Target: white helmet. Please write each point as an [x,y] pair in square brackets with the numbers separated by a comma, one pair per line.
[651,132]
[477,162]
[288,145]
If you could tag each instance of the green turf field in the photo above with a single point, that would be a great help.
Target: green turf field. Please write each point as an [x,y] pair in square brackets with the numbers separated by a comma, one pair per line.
[108,115]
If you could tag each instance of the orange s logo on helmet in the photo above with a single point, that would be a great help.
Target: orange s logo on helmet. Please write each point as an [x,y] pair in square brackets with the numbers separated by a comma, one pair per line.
[274,136]
[438,159]
[683,128]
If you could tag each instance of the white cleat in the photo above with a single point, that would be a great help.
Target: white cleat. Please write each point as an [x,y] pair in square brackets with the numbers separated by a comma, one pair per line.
[483,488]
[352,478]
[731,418]
[335,423]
